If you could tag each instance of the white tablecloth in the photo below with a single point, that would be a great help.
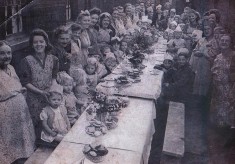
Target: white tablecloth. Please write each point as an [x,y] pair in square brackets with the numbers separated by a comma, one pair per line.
[130,142]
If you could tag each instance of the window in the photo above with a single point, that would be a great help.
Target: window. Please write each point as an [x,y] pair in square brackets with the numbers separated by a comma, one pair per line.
[68,10]
[13,18]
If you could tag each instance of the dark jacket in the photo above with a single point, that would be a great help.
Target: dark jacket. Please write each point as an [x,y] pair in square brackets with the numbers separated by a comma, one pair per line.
[181,86]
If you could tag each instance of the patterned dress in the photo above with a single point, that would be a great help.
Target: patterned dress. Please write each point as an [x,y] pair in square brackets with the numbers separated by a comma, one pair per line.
[40,75]
[222,113]
[16,128]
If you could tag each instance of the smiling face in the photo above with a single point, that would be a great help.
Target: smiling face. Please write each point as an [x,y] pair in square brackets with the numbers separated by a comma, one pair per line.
[85,22]
[105,22]
[39,44]
[5,55]
[94,19]
[192,17]
[115,14]
[208,31]
[128,10]
[182,61]
[212,18]
[64,39]
[225,42]
[76,34]
[124,46]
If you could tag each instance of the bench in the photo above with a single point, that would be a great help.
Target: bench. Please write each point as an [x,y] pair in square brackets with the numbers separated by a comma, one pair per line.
[174,146]
[40,155]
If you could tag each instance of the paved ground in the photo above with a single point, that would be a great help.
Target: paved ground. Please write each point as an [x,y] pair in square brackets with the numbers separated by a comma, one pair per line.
[203,143]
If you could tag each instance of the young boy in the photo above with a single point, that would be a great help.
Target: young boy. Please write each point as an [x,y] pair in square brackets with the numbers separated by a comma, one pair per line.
[182,80]
[167,68]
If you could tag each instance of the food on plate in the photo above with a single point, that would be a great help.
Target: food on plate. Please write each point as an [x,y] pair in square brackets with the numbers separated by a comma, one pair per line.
[95,153]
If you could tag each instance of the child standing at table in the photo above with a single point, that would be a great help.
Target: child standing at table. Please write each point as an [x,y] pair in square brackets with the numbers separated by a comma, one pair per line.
[54,118]
[92,77]
[70,101]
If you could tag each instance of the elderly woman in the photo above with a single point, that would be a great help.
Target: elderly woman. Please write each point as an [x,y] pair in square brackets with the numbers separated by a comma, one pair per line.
[106,31]
[222,114]
[201,64]
[17,132]
[38,73]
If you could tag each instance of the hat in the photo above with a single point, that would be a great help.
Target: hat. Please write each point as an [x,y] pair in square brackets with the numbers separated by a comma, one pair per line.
[159,7]
[92,61]
[115,38]
[178,29]
[63,78]
[145,19]
[173,10]
[198,34]
[55,87]
[79,75]
[183,51]
[168,57]
[174,22]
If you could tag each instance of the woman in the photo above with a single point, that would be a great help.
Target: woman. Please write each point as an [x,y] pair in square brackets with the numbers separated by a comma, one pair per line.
[16,133]
[194,18]
[38,72]
[201,64]
[117,22]
[106,31]
[95,13]
[84,20]
[128,20]
[222,114]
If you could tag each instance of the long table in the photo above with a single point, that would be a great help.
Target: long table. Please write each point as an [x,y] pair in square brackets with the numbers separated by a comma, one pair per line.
[130,142]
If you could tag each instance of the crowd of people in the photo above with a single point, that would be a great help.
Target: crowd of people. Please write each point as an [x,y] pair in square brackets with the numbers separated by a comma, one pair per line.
[60,78]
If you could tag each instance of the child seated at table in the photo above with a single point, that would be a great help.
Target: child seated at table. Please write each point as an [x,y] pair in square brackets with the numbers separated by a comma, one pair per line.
[110,63]
[91,73]
[70,101]
[55,122]
[124,48]
[101,70]
[116,43]
[177,42]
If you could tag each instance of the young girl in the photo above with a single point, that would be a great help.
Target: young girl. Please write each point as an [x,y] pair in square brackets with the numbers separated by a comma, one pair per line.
[54,118]
[110,63]
[115,42]
[70,101]
[177,42]
[92,77]
[124,48]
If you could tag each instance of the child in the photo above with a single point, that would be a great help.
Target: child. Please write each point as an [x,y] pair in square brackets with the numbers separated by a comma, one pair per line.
[54,118]
[167,68]
[115,42]
[92,77]
[177,42]
[124,48]
[101,70]
[181,87]
[110,63]
[65,49]
[105,49]
[70,101]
